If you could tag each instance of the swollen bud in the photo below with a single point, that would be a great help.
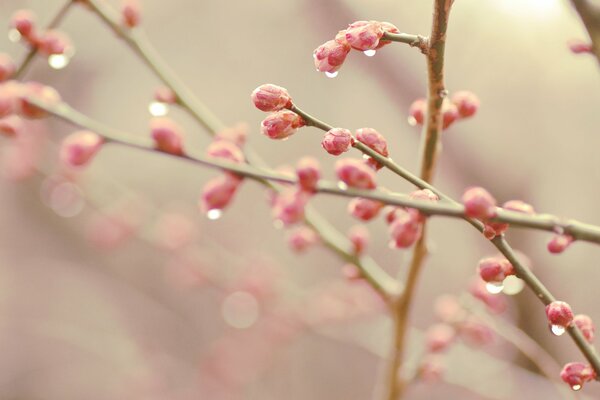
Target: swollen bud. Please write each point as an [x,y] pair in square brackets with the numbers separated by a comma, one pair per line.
[167,135]
[479,203]
[559,313]
[466,103]
[131,13]
[337,141]
[355,173]
[270,97]
[281,124]
[79,148]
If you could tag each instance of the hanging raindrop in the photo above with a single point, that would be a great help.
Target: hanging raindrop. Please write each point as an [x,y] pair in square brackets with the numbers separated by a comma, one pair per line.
[331,74]
[558,330]
[513,285]
[369,53]
[214,214]
[576,387]
[158,109]
[58,61]
[494,287]
[14,35]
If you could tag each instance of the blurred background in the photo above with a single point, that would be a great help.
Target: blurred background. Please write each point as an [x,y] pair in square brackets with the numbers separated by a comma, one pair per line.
[98,302]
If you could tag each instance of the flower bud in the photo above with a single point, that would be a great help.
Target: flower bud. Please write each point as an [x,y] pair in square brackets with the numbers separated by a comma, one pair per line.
[559,243]
[302,238]
[289,206]
[373,139]
[79,148]
[11,125]
[10,98]
[218,192]
[586,326]
[417,112]
[24,22]
[54,42]
[479,203]
[405,229]
[308,172]
[493,269]
[225,150]
[364,209]
[439,337]
[575,374]
[387,28]
[449,114]
[131,13]
[559,313]
[359,237]
[270,97]
[466,102]
[578,46]
[355,173]
[7,67]
[39,92]
[167,135]
[337,141]
[281,124]
[236,134]
[364,35]
[164,94]
[330,56]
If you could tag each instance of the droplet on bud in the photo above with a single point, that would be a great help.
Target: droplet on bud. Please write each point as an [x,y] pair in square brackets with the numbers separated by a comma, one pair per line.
[412,121]
[214,214]
[58,61]
[14,36]
[513,285]
[158,109]
[558,330]
[369,53]
[576,387]
[494,287]
[342,186]
[331,74]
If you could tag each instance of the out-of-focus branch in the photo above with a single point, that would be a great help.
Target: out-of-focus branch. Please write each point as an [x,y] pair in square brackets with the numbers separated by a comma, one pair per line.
[590,16]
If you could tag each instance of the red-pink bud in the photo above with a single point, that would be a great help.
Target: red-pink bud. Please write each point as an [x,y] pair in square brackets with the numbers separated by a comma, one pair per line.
[281,124]
[373,139]
[270,97]
[10,98]
[218,192]
[417,112]
[79,148]
[479,203]
[439,337]
[449,114]
[225,150]
[302,238]
[236,134]
[7,67]
[364,209]
[575,374]
[519,206]
[493,229]
[41,93]
[425,195]
[466,102]
[559,313]
[351,272]
[559,243]
[167,135]
[475,333]
[364,35]
[387,28]
[164,94]
[308,171]
[54,42]
[24,22]
[359,237]
[578,46]
[405,229]
[289,206]
[493,269]
[448,309]
[330,56]
[337,141]
[586,326]
[131,11]
[11,125]
[355,173]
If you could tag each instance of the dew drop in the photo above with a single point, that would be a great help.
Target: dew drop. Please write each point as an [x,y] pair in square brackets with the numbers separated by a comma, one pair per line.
[342,186]
[158,109]
[576,387]
[14,35]
[370,53]
[513,285]
[412,121]
[557,330]
[58,61]
[214,214]
[494,287]
[240,310]
[331,74]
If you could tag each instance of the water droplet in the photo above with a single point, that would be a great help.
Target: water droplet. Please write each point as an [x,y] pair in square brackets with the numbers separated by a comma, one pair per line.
[557,330]
[342,185]
[214,214]
[158,109]
[240,310]
[331,74]
[412,121]
[370,53]
[576,387]
[58,61]
[14,35]
[513,285]
[494,287]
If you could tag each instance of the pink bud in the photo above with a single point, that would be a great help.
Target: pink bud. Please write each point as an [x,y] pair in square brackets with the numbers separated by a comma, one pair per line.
[578,46]
[330,56]
[559,243]
[559,313]
[351,272]
[337,141]
[359,237]
[270,97]
[236,134]
[355,173]
[373,139]
[586,326]
[425,195]
[225,150]
[575,374]
[448,309]
[11,125]
[364,209]
[479,203]
[308,171]
[41,93]
[387,28]
[493,229]
[417,112]
[519,206]
[302,238]
[24,22]
[164,94]
[432,369]
[10,98]
[131,13]
[449,114]
[218,192]
[79,148]
[7,67]
[54,42]
[364,35]
[475,333]
[466,102]
[493,269]
[167,135]
[289,206]
[281,124]
[439,337]
[405,229]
